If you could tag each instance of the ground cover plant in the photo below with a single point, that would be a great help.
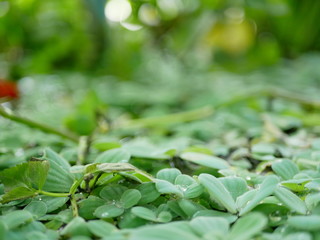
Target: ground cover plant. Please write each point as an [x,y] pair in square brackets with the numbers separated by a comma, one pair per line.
[211,161]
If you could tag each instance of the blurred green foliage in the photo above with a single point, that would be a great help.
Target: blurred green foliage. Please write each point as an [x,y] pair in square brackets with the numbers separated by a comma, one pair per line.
[240,35]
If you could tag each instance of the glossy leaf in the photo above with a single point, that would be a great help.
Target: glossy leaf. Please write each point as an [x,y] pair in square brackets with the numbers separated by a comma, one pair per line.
[108,211]
[117,155]
[168,188]
[285,168]
[168,174]
[100,228]
[204,225]
[248,226]
[205,160]
[218,192]
[292,201]
[266,189]
[307,223]
[130,198]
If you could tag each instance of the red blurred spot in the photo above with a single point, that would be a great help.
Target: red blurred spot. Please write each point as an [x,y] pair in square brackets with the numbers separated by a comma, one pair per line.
[8,89]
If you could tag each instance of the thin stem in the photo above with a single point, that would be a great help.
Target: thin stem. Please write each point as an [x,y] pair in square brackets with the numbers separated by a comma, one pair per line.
[51,194]
[9,115]
[83,149]
[74,206]
[170,118]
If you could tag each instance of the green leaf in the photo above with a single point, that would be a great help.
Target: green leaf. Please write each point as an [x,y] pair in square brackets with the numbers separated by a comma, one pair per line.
[164,217]
[184,180]
[89,205]
[213,213]
[285,168]
[205,160]
[266,189]
[296,185]
[163,232]
[189,207]
[100,228]
[52,203]
[30,175]
[16,218]
[3,229]
[144,213]
[235,185]
[290,200]
[175,207]
[248,226]
[130,198]
[194,190]
[37,208]
[77,227]
[18,193]
[59,178]
[307,223]
[37,172]
[108,211]
[166,187]
[168,174]
[204,225]
[218,192]
[117,155]
[112,193]
[148,192]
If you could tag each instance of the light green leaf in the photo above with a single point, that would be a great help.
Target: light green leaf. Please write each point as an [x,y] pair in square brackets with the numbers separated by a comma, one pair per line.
[189,207]
[89,205]
[162,232]
[130,198]
[100,228]
[56,158]
[16,218]
[204,225]
[248,226]
[108,211]
[77,227]
[218,192]
[205,160]
[144,213]
[37,208]
[290,200]
[307,223]
[235,185]
[194,190]
[168,174]
[112,193]
[148,192]
[285,168]
[164,217]
[213,213]
[184,180]
[117,155]
[166,187]
[266,189]
[59,178]
[175,207]
[52,203]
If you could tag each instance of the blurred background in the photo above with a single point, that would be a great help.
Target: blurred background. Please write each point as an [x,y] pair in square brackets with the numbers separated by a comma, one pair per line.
[123,37]
[180,72]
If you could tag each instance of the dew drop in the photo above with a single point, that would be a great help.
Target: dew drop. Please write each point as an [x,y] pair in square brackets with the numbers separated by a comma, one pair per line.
[105,214]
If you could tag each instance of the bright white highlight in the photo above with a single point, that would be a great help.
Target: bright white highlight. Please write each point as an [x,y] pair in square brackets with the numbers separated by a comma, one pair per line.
[117,10]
